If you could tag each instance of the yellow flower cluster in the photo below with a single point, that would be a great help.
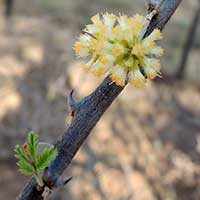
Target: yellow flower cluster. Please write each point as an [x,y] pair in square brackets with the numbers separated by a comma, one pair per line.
[116,46]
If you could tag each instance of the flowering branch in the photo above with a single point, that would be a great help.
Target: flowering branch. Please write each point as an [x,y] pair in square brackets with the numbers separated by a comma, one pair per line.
[86,113]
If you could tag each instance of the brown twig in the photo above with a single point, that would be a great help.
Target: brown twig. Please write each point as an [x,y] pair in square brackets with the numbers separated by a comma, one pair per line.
[188,44]
[86,113]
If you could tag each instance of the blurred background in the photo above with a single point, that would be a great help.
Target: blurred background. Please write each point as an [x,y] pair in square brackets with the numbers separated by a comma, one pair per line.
[145,147]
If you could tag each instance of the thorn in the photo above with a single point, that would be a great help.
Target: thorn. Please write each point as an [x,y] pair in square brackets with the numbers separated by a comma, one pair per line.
[72,103]
[60,182]
[68,180]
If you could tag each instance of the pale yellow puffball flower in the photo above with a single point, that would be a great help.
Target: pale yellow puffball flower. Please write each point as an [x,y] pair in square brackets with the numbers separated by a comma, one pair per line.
[116,47]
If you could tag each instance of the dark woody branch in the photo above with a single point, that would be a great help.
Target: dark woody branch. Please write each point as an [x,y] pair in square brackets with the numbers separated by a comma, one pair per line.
[87,112]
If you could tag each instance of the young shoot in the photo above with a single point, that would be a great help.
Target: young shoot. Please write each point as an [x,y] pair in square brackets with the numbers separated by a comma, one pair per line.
[33,157]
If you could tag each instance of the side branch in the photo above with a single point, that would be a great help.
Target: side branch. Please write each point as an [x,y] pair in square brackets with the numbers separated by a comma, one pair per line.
[87,113]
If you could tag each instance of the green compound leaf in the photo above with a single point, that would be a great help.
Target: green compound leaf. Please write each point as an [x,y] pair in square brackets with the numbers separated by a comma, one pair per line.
[32,159]
[45,158]
[33,141]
